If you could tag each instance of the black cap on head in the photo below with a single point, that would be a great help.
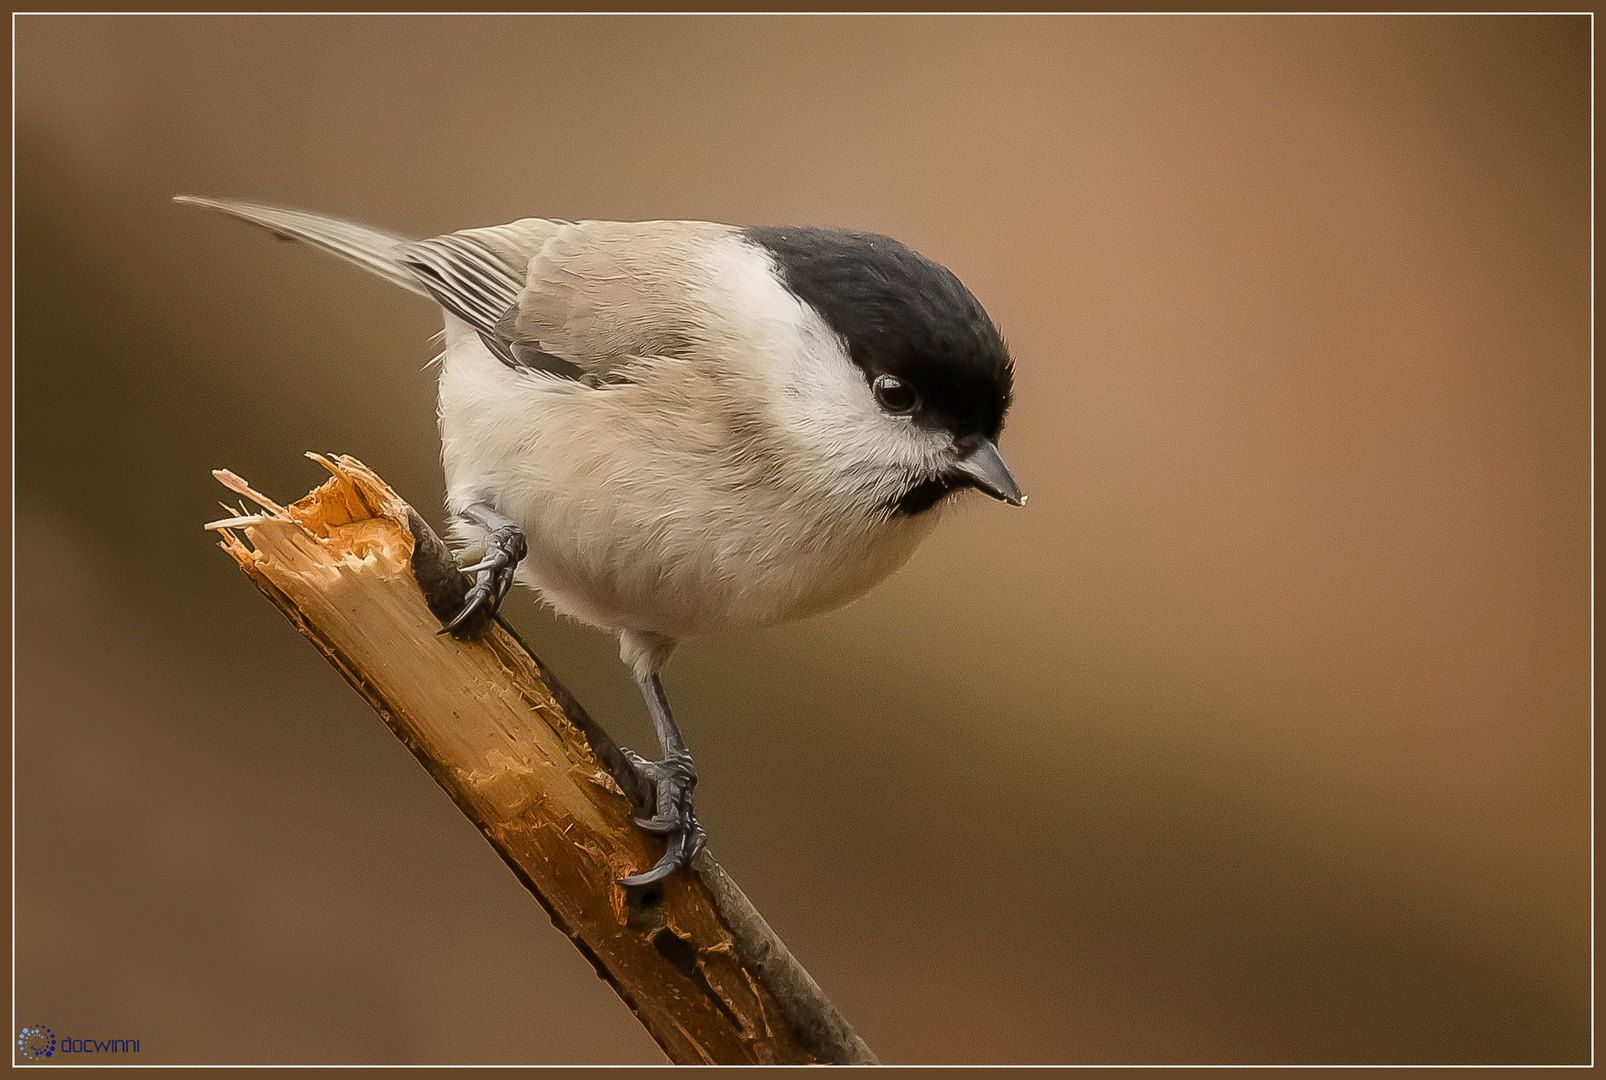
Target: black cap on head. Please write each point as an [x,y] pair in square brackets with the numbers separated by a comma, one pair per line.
[901,315]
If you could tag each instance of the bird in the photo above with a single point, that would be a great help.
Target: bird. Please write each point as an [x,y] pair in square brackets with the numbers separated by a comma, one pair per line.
[672,428]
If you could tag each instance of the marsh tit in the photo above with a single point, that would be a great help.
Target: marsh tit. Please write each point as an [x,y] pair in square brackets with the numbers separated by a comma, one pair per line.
[669,428]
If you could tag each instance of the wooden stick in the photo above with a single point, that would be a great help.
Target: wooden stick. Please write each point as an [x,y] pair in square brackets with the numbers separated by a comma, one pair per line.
[361,574]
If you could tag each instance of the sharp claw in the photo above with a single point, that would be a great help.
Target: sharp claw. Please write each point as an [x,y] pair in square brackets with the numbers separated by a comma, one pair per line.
[506,548]
[498,562]
[476,600]
[674,858]
[665,867]
[671,782]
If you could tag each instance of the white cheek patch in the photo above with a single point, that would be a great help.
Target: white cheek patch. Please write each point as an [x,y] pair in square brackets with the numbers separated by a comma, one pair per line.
[823,396]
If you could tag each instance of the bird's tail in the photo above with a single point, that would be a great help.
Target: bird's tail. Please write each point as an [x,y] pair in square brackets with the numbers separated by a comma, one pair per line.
[375,250]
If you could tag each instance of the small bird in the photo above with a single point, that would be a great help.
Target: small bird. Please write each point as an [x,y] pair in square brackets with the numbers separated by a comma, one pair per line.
[670,428]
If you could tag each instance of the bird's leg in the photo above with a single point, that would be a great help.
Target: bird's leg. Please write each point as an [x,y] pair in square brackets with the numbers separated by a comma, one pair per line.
[671,781]
[504,548]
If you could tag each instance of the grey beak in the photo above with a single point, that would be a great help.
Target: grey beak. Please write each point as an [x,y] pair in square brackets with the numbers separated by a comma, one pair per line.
[984,468]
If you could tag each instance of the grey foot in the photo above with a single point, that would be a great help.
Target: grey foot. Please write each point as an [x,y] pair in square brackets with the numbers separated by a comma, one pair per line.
[504,549]
[671,781]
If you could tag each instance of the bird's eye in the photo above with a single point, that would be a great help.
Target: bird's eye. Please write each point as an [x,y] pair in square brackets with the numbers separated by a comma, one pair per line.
[895,395]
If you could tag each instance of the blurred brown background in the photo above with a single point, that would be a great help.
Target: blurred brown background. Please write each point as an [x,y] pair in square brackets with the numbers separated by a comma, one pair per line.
[1262,734]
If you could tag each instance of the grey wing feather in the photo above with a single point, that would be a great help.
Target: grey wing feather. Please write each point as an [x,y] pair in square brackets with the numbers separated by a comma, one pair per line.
[608,295]
[579,300]
[375,250]
[476,281]
[468,280]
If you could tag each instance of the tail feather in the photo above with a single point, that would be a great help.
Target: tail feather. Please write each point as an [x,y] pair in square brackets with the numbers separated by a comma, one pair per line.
[375,250]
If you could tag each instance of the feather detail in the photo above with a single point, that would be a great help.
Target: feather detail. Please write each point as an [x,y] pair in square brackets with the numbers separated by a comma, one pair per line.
[375,250]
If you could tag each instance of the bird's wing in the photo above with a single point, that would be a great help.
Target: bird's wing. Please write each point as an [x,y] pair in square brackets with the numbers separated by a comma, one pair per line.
[581,300]
[474,281]
[477,275]
[584,299]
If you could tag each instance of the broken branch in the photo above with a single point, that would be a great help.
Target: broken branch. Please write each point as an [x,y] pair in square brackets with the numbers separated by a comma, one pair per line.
[363,576]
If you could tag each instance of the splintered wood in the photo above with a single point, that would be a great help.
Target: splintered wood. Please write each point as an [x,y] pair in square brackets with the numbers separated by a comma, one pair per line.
[690,957]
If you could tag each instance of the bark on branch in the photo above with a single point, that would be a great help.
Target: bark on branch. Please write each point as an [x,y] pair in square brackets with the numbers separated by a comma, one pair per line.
[361,574]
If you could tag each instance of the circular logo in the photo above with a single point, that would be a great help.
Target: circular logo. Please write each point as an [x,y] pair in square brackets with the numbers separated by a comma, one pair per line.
[36,1042]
